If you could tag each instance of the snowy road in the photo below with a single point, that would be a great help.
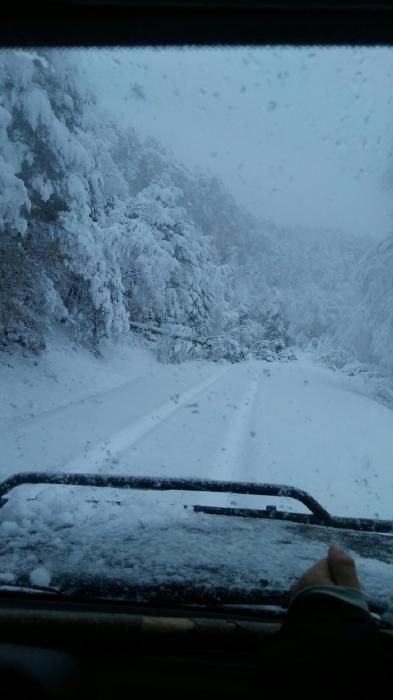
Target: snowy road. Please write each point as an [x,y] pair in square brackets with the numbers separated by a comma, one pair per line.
[295,423]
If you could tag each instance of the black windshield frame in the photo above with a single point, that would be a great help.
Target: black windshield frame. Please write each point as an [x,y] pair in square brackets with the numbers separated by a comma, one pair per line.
[195,22]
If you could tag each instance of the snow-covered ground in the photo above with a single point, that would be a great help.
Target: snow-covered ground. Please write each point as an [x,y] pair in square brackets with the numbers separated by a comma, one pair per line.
[296,423]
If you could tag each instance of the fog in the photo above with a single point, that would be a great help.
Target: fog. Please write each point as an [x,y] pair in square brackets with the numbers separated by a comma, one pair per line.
[301,136]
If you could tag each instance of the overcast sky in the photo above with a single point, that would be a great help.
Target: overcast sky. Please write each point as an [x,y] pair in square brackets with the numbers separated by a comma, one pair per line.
[301,136]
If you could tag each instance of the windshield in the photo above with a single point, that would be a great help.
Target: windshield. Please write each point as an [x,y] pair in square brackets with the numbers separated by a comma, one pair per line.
[196,265]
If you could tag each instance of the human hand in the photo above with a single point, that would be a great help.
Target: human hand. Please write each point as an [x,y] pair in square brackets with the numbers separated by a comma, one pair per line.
[336,569]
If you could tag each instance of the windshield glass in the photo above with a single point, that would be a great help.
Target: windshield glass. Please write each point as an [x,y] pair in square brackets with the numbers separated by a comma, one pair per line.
[196,281]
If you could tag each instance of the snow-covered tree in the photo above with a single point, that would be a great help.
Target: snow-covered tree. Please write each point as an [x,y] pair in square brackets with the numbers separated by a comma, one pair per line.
[53,169]
[367,327]
[169,267]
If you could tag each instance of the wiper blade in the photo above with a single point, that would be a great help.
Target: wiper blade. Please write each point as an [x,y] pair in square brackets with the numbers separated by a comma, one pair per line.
[318,515]
[29,589]
[272,513]
[160,484]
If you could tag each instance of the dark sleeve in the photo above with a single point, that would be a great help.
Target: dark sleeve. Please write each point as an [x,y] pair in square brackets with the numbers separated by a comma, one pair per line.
[333,644]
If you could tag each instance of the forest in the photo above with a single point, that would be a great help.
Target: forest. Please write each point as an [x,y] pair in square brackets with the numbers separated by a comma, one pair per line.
[103,234]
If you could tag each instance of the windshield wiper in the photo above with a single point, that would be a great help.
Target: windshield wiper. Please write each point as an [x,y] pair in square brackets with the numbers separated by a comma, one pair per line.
[317,516]
[335,521]
[25,588]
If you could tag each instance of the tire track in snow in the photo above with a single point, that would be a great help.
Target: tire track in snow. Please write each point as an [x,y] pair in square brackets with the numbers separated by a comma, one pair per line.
[95,459]
[229,463]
